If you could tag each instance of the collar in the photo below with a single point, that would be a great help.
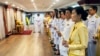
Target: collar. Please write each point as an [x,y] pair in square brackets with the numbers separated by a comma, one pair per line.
[92,15]
[77,24]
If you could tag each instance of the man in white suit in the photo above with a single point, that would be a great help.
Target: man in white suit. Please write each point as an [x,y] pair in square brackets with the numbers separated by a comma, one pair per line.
[38,22]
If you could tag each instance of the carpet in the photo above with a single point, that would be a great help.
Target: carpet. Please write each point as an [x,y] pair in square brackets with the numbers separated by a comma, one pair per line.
[26,32]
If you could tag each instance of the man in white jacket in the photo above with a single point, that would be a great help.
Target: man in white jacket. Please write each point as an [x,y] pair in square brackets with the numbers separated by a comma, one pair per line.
[38,22]
[65,33]
[93,23]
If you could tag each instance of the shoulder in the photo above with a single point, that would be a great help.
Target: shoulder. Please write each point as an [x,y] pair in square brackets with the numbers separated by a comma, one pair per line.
[96,16]
[82,26]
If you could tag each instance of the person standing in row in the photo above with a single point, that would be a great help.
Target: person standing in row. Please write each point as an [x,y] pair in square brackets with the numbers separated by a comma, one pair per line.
[61,26]
[52,30]
[78,40]
[57,25]
[47,19]
[93,23]
[65,34]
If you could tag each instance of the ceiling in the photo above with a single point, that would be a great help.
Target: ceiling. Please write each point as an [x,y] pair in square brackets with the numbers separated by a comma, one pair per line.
[38,5]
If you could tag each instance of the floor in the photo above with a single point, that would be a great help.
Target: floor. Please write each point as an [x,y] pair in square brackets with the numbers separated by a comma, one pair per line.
[26,45]
[35,44]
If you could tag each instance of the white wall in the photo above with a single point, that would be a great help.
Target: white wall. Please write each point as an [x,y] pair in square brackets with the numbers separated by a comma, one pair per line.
[19,15]
[9,22]
[2,29]
[12,18]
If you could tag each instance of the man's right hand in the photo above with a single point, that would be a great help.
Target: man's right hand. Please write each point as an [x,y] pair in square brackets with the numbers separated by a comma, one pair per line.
[59,34]
[65,43]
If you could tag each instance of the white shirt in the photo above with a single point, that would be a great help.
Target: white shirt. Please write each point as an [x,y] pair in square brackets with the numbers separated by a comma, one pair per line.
[93,23]
[62,25]
[67,29]
[38,20]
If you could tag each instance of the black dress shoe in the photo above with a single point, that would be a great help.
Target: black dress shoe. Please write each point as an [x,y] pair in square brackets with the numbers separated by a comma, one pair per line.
[53,45]
[51,42]
[54,49]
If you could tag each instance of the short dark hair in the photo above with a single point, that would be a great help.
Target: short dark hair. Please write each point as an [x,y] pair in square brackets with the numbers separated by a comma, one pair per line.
[38,14]
[56,13]
[55,10]
[69,9]
[94,7]
[87,10]
[63,10]
[79,10]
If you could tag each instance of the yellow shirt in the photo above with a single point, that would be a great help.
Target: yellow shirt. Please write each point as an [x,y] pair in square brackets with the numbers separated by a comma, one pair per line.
[47,18]
[78,40]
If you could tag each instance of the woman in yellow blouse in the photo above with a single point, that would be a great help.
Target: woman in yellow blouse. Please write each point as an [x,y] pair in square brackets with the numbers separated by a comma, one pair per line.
[78,40]
[47,21]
